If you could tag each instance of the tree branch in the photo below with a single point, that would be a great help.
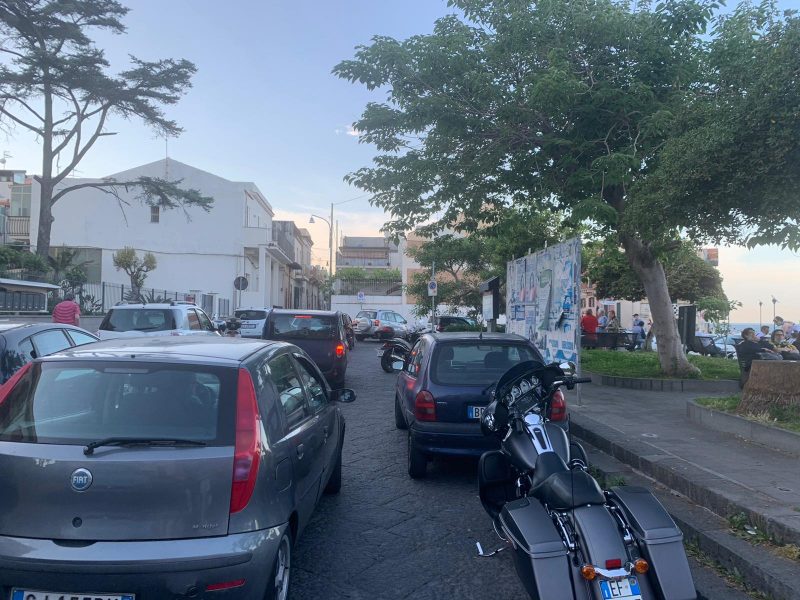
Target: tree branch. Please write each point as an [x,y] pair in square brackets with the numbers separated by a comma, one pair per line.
[19,121]
[25,104]
[79,154]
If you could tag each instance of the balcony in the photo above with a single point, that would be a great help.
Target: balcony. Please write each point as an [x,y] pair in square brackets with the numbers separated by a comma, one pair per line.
[18,227]
[282,247]
[256,236]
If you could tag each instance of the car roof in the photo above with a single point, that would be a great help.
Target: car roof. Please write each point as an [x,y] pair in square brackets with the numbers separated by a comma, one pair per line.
[300,311]
[476,336]
[30,328]
[152,305]
[176,348]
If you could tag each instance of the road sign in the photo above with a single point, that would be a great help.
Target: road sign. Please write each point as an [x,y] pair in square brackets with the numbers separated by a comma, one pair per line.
[240,283]
[433,288]
[362,297]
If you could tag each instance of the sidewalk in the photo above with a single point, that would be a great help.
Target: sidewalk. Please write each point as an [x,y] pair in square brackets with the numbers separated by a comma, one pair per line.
[650,432]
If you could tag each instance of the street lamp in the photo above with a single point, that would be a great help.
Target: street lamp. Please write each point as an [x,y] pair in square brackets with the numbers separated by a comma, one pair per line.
[774,302]
[330,239]
[760,304]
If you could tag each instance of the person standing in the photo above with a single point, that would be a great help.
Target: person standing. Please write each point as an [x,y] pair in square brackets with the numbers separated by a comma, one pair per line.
[764,333]
[67,311]
[589,329]
[602,320]
[613,322]
[635,321]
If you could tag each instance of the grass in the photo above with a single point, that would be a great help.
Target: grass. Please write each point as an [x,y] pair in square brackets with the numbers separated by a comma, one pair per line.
[645,365]
[741,527]
[785,417]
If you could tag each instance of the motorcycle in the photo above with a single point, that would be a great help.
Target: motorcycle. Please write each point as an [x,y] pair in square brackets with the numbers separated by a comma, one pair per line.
[230,327]
[571,539]
[398,349]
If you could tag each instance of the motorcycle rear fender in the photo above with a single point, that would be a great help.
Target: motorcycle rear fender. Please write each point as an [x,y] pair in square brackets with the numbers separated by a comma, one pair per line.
[540,556]
[659,539]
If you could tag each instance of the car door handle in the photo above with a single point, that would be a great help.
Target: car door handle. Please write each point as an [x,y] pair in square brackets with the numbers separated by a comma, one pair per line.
[300,451]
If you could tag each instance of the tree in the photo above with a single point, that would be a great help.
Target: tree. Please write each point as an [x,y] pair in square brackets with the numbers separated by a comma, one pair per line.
[55,85]
[641,121]
[136,268]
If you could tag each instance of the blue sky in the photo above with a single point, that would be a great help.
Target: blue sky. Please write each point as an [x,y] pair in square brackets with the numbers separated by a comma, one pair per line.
[265,108]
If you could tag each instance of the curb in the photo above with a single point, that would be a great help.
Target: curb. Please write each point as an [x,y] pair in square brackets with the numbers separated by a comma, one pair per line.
[666,385]
[762,570]
[719,495]
[752,431]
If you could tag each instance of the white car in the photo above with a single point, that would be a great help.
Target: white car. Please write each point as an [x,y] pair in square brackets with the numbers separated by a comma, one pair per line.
[253,320]
[175,318]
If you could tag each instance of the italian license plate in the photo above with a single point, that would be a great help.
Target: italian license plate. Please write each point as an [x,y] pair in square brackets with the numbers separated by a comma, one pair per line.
[621,588]
[248,325]
[33,595]
[475,412]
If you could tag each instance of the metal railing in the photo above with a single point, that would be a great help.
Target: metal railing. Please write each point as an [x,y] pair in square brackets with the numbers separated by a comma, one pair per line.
[18,226]
[370,287]
[284,242]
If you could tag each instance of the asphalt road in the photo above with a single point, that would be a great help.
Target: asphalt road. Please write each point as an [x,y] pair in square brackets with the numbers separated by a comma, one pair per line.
[386,536]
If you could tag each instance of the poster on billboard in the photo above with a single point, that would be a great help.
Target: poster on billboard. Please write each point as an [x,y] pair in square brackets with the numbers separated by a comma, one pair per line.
[543,300]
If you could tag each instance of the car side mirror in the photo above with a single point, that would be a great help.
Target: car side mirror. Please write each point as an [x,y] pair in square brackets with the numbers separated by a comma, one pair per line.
[397,365]
[344,395]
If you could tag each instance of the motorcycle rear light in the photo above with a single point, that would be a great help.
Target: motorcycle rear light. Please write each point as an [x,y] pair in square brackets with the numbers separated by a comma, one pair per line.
[425,406]
[641,566]
[588,572]
[5,389]
[339,350]
[247,452]
[558,407]
[614,563]
[225,585]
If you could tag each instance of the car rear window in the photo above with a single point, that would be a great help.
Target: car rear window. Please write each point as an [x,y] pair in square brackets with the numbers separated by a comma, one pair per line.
[302,326]
[476,363]
[139,319]
[77,402]
[251,315]
[367,314]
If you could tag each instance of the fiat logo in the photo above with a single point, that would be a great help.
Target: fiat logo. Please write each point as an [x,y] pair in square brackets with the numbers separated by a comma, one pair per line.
[80,480]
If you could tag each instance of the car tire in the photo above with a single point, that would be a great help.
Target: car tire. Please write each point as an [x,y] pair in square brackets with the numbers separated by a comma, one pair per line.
[399,417]
[335,482]
[280,575]
[417,461]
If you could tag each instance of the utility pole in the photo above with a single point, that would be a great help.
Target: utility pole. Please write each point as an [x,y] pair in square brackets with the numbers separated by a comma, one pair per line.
[760,320]
[433,298]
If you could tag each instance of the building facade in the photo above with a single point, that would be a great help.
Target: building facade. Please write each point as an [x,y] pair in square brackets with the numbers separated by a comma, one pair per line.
[368,253]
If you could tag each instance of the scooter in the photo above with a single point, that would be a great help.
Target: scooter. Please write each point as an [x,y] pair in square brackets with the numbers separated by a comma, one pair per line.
[393,350]
[571,539]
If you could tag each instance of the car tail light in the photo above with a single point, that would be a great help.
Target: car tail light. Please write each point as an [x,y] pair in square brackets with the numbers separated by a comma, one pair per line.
[225,585]
[339,350]
[247,453]
[558,406]
[424,406]
[5,389]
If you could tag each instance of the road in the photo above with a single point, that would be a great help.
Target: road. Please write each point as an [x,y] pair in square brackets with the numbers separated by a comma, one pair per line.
[385,536]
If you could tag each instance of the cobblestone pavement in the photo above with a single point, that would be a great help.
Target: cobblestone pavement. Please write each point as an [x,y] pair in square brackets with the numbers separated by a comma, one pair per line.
[386,536]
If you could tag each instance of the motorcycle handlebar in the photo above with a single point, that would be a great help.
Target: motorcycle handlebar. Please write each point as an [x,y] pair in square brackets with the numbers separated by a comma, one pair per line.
[582,380]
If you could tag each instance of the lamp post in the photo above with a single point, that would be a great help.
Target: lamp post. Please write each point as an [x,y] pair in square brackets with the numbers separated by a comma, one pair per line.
[760,304]
[774,302]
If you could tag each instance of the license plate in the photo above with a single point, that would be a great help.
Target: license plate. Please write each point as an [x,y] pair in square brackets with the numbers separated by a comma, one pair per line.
[621,588]
[475,412]
[248,325]
[31,595]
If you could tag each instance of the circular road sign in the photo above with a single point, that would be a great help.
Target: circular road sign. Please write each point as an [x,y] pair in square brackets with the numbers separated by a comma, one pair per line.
[362,297]
[240,283]
[432,288]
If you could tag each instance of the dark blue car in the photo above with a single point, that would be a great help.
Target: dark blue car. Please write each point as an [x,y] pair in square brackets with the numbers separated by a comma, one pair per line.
[444,387]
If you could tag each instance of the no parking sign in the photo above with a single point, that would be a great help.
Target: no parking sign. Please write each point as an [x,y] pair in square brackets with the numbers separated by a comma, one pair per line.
[362,297]
[432,288]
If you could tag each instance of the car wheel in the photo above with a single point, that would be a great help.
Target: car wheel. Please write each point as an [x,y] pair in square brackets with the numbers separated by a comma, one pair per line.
[335,482]
[417,461]
[399,418]
[280,578]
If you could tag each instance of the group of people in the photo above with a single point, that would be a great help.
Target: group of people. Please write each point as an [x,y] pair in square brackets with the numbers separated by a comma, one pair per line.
[768,346]
[602,322]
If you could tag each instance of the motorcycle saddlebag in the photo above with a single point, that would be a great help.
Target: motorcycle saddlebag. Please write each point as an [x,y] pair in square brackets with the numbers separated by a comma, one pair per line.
[660,540]
[540,555]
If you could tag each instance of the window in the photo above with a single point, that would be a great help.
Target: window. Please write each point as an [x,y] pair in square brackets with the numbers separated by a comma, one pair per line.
[81,338]
[20,201]
[194,321]
[400,319]
[591,302]
[155,214]
[205,322]
[417,355]
[315,389]
[251,315]
[49,342]
[476,363]
[138,319]
[26,351]
[290,390]
[286,326]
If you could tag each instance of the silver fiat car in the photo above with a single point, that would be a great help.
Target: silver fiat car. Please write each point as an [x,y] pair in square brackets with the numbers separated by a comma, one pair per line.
[180,467]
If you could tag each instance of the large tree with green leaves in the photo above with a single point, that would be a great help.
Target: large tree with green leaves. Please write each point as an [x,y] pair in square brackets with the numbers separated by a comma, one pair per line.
[55,84]
[645,121]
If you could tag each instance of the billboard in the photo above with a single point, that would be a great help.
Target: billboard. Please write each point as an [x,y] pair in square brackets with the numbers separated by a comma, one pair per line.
[543,300]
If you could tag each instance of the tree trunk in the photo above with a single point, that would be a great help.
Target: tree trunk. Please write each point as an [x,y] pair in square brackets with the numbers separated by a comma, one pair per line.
[670,350]
[45,218]
[46,184]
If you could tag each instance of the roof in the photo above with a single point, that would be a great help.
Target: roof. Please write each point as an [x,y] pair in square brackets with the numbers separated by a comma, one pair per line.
[30,284]
[299,311]
[462,336]
[173,347]
[141,305]
[30,328]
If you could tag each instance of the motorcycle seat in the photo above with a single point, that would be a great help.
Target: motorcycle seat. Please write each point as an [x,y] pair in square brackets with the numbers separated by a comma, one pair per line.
[561,488]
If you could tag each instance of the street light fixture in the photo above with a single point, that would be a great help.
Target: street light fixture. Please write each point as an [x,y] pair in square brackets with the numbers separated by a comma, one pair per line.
[774,302]
[760,304]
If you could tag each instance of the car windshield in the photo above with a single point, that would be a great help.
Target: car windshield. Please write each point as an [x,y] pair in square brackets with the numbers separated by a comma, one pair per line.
[367,314]
[139,319]
[251,315]
[301,326]
[78,402]
[476,363]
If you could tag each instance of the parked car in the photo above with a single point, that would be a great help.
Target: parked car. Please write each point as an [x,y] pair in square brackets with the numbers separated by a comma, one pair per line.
[349,330]
[253,321]
[176,467]
[21,343]
[445,385]
[136,320]
[381,324]
[319,332]
[445,321]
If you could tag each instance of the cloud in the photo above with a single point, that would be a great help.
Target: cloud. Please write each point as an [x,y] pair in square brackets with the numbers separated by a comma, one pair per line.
[349,130]
[353,132]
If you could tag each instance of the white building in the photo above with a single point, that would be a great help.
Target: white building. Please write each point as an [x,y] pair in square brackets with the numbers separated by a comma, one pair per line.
[197,251]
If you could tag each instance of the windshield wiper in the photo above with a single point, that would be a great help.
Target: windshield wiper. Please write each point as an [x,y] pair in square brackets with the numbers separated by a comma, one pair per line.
[132,441]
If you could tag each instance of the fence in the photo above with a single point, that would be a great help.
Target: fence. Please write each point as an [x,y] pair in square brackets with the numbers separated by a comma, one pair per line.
[370,287]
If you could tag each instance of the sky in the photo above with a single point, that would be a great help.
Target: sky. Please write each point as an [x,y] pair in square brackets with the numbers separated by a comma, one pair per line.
[265,108]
